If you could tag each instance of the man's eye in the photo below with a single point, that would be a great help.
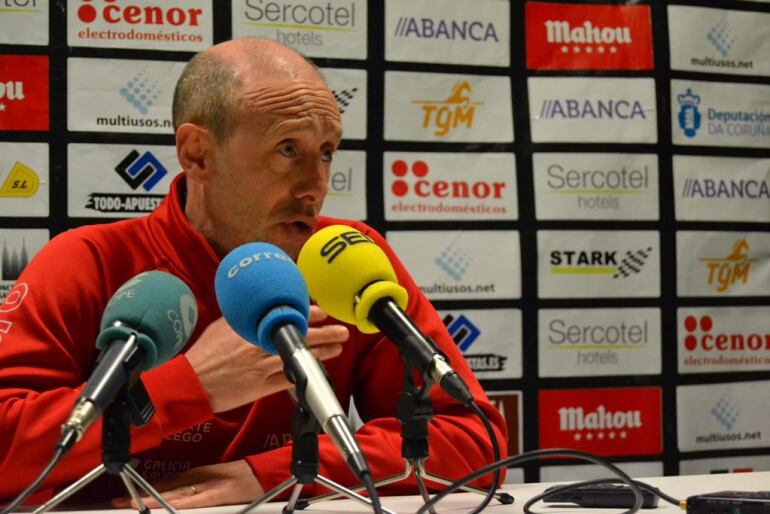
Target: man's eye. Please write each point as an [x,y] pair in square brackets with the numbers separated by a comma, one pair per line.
[327,155]
[288,150]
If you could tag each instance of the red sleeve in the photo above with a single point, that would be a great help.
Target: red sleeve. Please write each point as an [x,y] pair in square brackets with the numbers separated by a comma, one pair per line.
[47,353]
[457,439]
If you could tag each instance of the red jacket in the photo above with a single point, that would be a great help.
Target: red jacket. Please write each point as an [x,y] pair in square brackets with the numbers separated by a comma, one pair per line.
[47,353]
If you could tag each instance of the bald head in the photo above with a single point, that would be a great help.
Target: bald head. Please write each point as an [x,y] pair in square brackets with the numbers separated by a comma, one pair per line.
[208,92]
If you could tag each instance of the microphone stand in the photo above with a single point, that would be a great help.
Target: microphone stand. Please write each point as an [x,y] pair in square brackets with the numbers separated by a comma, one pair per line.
[414,411]
[130,407]
[304,467]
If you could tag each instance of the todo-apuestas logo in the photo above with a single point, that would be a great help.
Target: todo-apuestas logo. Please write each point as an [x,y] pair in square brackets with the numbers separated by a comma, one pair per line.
[464,333]
[449,30]
[454,260]
[598,262]
[141,92]
[726,412]
[136,170]
[724,272]
[21,182]
[455,110]
[689,116]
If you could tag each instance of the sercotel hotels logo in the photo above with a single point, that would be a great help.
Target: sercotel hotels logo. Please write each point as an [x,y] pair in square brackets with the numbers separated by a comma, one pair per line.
[689,116]
[114,12]
[724,272]
[450,30]
[609,109]
[597,343]
[599,262]
[455,111]
[702,336]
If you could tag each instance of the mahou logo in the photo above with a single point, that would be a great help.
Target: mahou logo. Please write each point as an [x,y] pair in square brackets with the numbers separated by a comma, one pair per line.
[23,92]
[588,37]
[733,269]
[611,422]
[455,111]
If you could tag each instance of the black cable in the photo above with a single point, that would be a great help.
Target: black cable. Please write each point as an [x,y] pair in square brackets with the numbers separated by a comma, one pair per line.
[58,453]
[577,485]
[536,454]
[366,480]
[495,456]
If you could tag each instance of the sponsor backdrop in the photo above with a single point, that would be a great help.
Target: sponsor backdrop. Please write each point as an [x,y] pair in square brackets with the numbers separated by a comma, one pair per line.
[581,187]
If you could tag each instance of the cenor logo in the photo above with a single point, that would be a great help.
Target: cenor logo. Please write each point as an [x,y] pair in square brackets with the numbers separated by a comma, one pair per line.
[689,117]
[455,110]
[145,170]
[113,12]
[422,187]
[710,341]
[734,268]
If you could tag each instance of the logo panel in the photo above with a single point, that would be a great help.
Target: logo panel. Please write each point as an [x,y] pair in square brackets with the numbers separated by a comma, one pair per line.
[447,108]
[23,92]
[722,188]
[118,181]
[346,194]
[596,186]
[140,24]
[461,265]
[24,179]
[448,31]
[119,95]
[349,89]
[723,416]
[720,339]
[588,37]
[720,114]
[316,28]
[723,263]
[598,264]
[718,40]
[510,403]
[441,186]
[490,340]
[610,422]
[17,247]
[24,22]
[599,342]
[611,110]
[721,465]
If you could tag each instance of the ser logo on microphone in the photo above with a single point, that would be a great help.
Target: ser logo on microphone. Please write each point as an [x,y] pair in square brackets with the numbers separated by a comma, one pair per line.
[336,245]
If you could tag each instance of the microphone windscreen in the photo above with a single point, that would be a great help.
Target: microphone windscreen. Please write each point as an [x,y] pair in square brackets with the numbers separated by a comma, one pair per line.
[346,272]
[156,305]
[258,288]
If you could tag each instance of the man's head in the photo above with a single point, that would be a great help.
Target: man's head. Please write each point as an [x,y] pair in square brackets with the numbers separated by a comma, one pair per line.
[256,127]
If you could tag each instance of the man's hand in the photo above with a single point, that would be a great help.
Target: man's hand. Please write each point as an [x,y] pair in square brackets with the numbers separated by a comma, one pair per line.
[234,372]
[205,486]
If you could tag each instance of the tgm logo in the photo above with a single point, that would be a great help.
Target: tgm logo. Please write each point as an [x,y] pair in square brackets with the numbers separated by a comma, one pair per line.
[564,36]
[724,272]
[428,28]
[23,92]
[726,412]
[145,170]
[689,116]
[21,182]
[599,262]
[450,113]
[570,108]
[454,260]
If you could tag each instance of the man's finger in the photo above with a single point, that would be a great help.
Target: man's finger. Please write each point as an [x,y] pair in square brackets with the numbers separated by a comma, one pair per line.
[327,334]
[316,314]
[327,351]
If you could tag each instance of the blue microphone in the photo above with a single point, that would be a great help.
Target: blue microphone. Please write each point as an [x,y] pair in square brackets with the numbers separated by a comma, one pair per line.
[263,297]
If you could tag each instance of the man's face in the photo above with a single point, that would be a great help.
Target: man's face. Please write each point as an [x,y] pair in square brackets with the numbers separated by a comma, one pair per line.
[273,169]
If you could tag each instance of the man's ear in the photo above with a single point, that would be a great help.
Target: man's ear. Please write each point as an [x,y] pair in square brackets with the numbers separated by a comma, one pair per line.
[195,148]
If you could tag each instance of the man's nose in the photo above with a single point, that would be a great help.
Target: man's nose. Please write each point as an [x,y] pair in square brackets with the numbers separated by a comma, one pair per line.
[313,183]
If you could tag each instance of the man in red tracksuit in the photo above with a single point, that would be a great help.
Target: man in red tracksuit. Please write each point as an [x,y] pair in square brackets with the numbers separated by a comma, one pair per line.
[256,128]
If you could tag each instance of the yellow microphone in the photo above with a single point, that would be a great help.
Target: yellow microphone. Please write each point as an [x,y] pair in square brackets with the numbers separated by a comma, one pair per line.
[352,279]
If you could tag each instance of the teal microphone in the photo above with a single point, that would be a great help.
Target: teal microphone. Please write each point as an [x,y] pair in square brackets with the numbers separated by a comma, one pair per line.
[147,321]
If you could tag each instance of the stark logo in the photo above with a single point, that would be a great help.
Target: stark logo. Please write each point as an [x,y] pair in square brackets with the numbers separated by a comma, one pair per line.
[448,114]
[146,170]
[344,97]
[726,271]
[23,92]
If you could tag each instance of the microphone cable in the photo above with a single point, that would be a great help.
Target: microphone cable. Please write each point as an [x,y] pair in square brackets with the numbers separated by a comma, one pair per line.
[536,454]
[495,455]
[366,480]
[31,488]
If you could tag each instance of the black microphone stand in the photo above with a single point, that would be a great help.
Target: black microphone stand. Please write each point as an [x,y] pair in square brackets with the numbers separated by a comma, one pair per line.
[414,411]
[131,407]
[304,467]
